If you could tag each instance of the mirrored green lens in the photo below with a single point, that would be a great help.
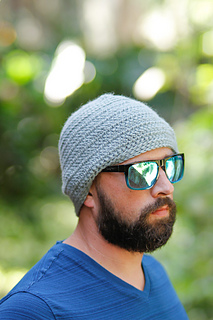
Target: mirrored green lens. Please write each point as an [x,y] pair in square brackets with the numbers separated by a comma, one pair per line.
[142,175]
[174,168]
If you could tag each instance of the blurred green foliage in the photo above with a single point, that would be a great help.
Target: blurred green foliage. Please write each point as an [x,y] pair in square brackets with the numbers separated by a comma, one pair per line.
[33,212]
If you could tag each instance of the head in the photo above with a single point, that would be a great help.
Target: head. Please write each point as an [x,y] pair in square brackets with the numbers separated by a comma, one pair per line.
[107,131]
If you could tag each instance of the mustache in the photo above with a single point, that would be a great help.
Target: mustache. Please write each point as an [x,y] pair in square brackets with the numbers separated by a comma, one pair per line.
[160,202]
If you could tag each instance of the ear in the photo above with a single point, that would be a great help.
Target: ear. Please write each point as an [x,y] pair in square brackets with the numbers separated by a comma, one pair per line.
[89,201]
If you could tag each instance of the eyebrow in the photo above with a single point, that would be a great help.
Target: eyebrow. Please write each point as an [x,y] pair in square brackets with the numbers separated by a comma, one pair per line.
[168,156]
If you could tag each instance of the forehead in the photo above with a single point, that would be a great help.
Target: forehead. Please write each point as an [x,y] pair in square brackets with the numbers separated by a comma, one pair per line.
[155,154]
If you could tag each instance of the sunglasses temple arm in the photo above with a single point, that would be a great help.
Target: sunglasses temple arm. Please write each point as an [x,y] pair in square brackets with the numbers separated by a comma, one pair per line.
[120,168]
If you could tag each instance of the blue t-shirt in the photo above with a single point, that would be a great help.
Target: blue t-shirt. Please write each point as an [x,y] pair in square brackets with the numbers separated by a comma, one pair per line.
[68,284]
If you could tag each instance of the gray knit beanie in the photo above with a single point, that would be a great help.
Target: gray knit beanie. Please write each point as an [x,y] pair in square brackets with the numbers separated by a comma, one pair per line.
[104,132]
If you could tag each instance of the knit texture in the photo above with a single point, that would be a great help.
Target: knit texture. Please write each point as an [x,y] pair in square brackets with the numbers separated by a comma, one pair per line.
[104,132]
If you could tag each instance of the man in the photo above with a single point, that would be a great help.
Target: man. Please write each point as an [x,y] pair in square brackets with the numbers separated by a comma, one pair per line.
[119,161]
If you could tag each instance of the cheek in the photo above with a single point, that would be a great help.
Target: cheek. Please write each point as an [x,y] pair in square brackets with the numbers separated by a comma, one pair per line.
[113,183]
[124,199]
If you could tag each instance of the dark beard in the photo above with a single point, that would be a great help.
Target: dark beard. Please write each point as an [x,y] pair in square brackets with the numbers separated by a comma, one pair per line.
[140,235]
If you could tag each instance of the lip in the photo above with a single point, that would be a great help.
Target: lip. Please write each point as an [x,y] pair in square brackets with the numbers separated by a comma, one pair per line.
[161,212]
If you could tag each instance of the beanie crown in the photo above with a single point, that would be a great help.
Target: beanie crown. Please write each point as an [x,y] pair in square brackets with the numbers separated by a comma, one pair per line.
[103,132]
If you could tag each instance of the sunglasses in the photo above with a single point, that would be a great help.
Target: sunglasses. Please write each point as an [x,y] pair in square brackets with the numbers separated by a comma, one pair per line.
[144,174]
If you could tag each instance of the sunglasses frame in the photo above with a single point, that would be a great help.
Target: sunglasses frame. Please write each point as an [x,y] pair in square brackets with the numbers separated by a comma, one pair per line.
[161,164]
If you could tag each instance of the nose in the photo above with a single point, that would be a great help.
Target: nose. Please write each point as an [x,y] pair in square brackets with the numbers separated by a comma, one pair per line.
[163,187]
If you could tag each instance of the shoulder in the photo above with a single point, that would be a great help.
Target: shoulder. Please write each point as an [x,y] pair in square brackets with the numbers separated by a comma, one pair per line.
[25,300]
[23,306]
[40,271]
[163,297]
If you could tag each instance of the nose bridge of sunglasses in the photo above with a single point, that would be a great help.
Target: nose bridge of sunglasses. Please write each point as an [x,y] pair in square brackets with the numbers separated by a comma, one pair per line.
[162,164]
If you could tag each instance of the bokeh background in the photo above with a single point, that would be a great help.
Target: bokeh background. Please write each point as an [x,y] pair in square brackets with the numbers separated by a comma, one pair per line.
[57,54]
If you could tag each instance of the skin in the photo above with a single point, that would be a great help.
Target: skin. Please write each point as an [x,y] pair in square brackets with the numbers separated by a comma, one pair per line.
[124,264]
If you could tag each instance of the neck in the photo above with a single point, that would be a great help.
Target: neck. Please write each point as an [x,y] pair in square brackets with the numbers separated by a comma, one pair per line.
[122,263]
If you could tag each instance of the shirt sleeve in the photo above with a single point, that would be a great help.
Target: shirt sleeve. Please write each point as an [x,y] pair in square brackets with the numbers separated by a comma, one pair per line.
[25,306]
